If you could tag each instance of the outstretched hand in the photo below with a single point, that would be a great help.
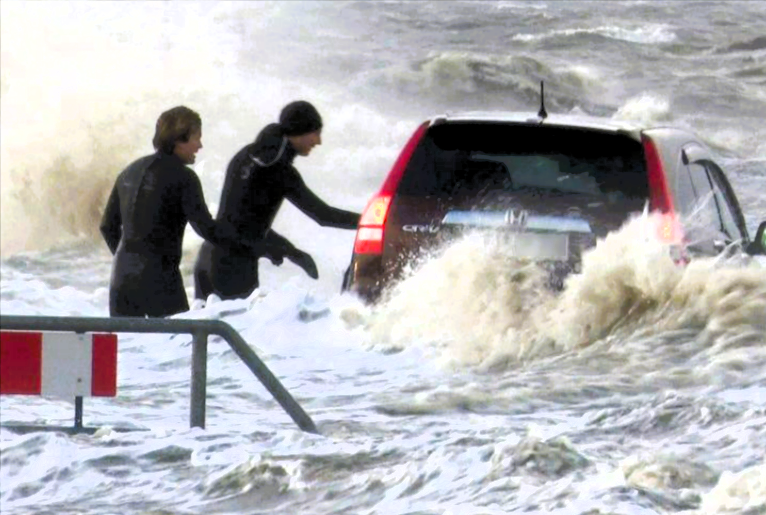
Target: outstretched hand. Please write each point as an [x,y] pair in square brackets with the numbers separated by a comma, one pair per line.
[305,261]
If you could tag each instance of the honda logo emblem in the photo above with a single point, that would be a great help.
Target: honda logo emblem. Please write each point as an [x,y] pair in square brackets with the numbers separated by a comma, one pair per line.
[516,218]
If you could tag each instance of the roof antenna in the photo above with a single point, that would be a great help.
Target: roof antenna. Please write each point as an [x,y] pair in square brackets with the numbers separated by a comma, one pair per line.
[542,113]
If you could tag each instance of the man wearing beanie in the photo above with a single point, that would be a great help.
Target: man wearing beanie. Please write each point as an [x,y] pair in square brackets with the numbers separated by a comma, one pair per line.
[259,177]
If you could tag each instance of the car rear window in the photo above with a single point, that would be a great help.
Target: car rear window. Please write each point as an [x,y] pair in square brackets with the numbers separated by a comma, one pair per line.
[460,158]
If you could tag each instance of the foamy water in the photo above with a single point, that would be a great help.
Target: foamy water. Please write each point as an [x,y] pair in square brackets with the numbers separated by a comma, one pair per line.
[641,388]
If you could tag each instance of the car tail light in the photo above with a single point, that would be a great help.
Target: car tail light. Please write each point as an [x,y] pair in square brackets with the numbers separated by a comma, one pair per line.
[369,236]
[659,195]
[669,228]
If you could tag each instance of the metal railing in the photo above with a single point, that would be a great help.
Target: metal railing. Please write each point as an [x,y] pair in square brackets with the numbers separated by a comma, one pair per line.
[199,329]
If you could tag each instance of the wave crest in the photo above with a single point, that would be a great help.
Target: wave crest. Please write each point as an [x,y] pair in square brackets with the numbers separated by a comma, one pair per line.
[472,305]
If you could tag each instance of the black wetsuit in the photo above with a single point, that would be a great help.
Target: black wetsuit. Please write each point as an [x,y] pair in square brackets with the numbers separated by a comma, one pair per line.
[143,225]
[259,177]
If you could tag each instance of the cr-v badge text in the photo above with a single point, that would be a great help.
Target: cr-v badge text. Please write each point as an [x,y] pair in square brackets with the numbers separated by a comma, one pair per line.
[421,228]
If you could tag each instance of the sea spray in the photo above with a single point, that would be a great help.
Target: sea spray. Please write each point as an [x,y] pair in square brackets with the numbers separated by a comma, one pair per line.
[472,303]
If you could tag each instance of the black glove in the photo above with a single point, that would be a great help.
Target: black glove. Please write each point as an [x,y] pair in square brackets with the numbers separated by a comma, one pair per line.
[304,260]
[273,252]
[276,258]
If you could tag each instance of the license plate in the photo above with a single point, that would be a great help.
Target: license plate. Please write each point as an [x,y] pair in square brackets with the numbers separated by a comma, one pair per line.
[518,219]
[529,236]
[538,246]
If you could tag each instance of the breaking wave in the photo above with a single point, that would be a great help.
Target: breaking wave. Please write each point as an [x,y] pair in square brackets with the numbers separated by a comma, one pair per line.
[645,108]
[466,80]
[63,147]
[648,34]
[473,306]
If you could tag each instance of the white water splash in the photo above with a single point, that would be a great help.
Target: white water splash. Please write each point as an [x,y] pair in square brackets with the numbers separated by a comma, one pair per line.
[646,108]
[740,492]
[472,304]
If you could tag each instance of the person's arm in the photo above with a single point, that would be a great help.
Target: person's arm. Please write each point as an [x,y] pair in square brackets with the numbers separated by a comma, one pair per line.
[277,240]
[315,208]
[111,221]
[218,232]
[198,215]
[293,253]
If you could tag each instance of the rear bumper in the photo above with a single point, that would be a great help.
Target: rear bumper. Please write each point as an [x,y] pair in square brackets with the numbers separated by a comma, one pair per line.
[364,277]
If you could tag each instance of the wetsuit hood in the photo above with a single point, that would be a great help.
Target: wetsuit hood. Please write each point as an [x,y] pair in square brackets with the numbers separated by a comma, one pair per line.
[299,118]
[271,145]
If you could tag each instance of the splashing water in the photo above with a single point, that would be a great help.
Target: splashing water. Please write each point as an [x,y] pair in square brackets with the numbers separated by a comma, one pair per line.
[476,306]
[646,108]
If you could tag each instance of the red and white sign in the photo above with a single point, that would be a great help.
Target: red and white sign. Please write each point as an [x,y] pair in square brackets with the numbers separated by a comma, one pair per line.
[58,364]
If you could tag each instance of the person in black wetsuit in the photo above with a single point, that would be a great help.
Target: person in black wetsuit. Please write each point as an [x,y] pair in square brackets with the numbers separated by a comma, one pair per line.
[259,177]
[145,217]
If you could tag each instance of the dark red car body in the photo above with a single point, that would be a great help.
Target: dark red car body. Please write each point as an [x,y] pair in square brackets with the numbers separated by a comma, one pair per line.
[557,183]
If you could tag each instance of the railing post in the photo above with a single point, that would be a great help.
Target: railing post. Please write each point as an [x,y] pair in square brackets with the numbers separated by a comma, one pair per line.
[200,331]
[78,413]
[198,379]
[272,384]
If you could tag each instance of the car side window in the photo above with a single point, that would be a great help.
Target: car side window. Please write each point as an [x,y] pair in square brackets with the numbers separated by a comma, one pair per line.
[686,198]
[704,215]
[726,207]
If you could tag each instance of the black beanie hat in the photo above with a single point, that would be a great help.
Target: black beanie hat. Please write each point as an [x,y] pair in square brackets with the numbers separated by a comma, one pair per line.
[298,118]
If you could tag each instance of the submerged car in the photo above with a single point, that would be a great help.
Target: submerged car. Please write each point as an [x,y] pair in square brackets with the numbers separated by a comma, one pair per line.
[555,183]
